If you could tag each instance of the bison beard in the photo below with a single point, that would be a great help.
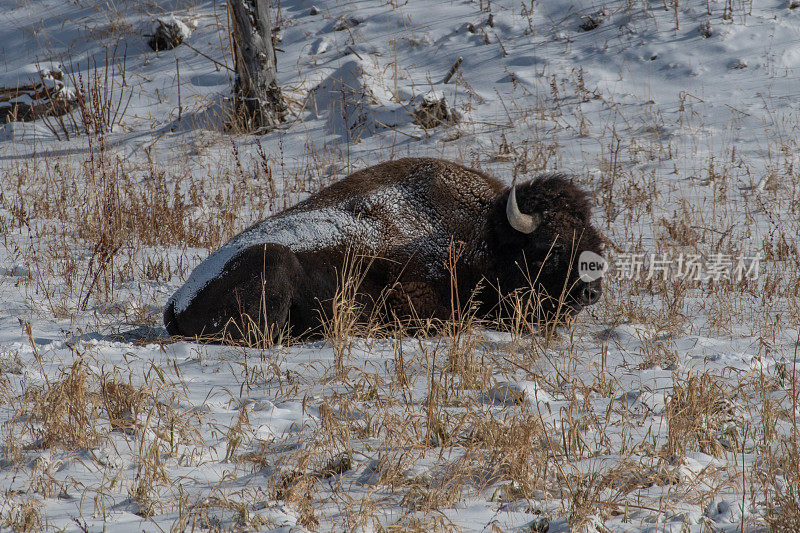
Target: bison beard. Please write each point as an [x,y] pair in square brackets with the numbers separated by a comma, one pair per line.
[406,218]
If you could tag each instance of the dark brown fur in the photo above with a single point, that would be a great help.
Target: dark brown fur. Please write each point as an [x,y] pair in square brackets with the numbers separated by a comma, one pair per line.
[407,216]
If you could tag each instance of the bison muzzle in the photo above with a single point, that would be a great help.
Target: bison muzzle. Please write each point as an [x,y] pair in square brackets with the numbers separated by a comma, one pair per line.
[429,233]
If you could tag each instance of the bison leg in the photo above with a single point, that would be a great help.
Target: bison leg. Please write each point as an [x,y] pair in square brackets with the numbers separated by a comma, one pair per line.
[264,299]
[249,300]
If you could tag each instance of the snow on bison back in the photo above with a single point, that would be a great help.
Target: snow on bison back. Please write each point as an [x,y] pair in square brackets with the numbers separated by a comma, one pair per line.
[406,218]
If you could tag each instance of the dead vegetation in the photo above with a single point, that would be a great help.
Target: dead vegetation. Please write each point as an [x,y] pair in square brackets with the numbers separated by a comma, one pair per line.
[380,422]
[427,423]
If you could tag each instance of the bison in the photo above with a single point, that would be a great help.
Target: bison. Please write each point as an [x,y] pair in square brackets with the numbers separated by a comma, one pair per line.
[433,232]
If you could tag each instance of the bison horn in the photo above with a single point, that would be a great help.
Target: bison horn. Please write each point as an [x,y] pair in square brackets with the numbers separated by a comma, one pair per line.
[519,220]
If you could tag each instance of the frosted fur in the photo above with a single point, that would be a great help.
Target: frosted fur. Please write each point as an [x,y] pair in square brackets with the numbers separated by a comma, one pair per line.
[299,231]
[385,218]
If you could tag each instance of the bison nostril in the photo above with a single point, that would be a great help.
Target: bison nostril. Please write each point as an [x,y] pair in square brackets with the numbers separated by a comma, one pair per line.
[590,295]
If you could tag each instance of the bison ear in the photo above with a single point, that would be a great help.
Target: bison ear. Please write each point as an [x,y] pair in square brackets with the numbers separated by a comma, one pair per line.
[519,220]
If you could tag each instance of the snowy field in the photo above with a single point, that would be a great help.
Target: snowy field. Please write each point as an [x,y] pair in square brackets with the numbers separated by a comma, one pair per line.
[671,405]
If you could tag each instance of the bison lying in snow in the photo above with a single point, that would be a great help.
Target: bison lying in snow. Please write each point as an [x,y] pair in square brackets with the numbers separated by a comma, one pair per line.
[409,217]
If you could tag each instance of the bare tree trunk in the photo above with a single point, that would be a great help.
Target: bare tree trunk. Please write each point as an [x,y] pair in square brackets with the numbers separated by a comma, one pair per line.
[259,101]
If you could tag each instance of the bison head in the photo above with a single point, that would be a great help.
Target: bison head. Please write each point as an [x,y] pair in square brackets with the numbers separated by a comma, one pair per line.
[541,229]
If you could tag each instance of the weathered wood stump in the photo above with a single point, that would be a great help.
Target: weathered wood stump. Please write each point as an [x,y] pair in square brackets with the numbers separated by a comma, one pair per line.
[259,102]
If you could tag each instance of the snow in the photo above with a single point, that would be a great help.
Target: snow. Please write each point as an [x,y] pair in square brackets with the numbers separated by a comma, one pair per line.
[694,115]
[33,73]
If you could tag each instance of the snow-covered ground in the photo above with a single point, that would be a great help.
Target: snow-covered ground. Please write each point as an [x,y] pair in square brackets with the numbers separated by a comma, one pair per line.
[669,406]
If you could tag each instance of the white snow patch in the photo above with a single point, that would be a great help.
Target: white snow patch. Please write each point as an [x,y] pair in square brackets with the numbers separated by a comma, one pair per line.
[517,392]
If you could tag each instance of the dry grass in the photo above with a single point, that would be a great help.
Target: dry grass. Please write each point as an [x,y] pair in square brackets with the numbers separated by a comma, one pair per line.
[102,96]
[64,413]
[783,511]
[515,453]
[82,412]
[349,309]
[24,517]
[781,476]
[418,423]
[701,414]
[106,222]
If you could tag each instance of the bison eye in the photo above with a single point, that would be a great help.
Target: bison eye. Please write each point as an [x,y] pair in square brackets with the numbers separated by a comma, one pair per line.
[551,249]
